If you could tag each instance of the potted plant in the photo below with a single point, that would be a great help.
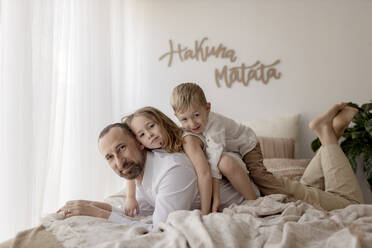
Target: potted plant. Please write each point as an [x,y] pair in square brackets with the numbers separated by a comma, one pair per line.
[357,140]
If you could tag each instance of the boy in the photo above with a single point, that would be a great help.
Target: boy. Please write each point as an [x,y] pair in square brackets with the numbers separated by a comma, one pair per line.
[220,135]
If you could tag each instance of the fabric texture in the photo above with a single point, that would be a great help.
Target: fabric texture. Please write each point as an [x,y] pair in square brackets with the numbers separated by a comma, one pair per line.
[291,168]
[266,222]
[33,238]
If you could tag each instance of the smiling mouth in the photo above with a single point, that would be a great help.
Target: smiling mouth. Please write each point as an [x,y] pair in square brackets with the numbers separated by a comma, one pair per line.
[126,168]
[196,129]
[154,139]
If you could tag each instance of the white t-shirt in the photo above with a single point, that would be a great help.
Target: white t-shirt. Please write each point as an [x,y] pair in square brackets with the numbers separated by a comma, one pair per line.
[224,135]
[169,183]
[214,170]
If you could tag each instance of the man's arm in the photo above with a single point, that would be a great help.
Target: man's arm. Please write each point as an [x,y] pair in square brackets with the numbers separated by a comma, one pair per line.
[100,210]
[88,208]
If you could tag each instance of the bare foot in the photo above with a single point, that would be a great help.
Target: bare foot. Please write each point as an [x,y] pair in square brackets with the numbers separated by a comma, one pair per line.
[322,125]
[343,119]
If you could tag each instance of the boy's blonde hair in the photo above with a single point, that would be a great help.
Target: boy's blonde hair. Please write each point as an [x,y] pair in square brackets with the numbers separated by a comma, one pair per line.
[172,134]
[187,95]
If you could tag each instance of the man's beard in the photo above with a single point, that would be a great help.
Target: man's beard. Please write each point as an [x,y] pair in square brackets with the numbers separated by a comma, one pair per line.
[136,170]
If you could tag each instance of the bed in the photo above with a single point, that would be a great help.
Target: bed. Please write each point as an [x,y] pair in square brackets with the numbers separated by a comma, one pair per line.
[270,221]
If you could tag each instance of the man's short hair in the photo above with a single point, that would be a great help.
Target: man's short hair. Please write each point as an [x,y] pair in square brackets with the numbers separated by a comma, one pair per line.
[187,95]
[124,127]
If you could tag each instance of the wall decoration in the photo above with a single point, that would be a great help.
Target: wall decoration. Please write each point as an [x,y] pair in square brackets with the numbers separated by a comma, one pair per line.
[241,74]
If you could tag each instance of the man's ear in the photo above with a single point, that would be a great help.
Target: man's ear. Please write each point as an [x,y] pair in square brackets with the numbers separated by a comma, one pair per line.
[208,107]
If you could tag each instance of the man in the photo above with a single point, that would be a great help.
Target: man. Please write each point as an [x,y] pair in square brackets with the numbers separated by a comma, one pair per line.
[165,182]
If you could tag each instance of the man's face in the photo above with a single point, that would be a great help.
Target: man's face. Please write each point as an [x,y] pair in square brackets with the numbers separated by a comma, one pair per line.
[194,119]
[123,153]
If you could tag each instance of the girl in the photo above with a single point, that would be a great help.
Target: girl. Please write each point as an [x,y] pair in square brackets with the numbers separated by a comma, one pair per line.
[154,130]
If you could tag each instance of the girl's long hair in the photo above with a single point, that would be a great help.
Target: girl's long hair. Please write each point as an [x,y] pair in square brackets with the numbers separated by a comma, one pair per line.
[172,134]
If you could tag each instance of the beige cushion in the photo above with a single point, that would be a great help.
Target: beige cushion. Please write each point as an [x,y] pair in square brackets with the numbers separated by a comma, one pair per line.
[291,168]
[285,126]
[272,147]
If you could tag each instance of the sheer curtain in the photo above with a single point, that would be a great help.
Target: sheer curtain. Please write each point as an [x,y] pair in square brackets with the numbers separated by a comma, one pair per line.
[67,69]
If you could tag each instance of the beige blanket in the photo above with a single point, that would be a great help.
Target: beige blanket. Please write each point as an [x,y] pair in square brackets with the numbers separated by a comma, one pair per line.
[265,222]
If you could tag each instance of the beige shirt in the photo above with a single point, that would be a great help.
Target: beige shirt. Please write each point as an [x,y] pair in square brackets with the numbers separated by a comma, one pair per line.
[224,135]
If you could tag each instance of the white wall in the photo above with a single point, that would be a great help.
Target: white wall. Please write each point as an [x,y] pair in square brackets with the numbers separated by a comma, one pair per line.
[325,48]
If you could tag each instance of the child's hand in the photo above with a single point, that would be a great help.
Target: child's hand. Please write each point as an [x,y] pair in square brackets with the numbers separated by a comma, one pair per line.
[131,204]
[216,204]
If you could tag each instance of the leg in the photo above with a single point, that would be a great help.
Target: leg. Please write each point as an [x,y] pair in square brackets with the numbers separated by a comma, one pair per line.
[341,186]
[322,125]
[238,178]
[343,119]
[265,180]
[338,175]
[314,175]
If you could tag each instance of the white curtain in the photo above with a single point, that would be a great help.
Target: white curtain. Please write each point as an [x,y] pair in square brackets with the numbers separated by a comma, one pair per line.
[67,69]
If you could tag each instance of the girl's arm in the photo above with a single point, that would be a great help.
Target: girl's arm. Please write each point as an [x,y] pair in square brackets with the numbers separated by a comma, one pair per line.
[131,203]
[216,195]
[193,148]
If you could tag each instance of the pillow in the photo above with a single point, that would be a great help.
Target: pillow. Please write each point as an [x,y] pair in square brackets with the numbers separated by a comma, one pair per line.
[272,147]
[291,168]
[285,126]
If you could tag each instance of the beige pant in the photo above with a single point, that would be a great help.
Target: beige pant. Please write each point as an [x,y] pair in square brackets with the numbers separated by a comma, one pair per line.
[328,181]
[265,180]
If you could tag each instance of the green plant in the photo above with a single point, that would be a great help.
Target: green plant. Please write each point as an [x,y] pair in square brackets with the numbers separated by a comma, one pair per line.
[357,140]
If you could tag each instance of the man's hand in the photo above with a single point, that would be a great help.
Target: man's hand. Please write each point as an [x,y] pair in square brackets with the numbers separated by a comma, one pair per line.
[131,204]
[87,208]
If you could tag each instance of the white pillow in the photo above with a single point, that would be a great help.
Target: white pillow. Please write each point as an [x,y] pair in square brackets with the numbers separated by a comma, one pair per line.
[285,126]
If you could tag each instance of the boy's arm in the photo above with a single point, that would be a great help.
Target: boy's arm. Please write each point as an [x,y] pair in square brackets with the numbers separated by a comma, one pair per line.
[193,148]
[216,195]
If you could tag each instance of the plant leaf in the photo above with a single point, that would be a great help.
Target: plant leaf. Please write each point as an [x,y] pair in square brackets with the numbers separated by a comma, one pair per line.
[359,118]
[315,144]
[368,126]
[367,107]
[367,162]
[356,135]
[354,105]
[352,150]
